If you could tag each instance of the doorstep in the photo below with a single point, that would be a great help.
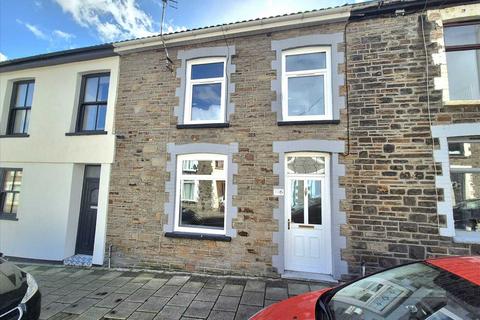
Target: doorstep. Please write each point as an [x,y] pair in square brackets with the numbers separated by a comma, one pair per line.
[308,276]
[78,260]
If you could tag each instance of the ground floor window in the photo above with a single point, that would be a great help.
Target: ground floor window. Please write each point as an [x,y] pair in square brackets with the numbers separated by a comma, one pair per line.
[464,156]
[11,183]
[201,193]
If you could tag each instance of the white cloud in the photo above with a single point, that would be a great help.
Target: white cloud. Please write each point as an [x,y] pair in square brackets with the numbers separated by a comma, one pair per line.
[112,19]
[34,29]
[3,57]
[63,35]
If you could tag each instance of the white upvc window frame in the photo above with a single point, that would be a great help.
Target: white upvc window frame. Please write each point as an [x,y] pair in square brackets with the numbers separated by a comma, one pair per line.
[326,73]
[189,83]
[191,177]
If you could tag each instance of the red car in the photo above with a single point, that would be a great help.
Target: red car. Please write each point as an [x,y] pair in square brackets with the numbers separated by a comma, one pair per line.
[434,289]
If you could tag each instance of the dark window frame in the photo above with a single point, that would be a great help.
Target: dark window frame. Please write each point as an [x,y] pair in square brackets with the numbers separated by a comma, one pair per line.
[464,47]
[82,103]
[3,193]
[13,108]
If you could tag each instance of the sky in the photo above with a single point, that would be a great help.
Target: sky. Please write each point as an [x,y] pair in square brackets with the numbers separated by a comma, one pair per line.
[30,27]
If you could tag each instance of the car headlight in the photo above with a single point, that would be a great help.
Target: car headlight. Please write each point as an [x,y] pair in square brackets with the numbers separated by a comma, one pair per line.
[31,290]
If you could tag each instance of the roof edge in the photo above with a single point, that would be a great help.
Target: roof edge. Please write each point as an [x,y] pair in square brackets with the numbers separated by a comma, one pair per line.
[59,57]
[236,29]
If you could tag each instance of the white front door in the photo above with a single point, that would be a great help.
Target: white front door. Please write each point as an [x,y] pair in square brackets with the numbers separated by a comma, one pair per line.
[307,204]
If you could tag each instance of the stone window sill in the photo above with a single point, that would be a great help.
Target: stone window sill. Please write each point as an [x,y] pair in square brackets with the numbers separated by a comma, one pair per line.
[461,103]
[18,135]
[307,122]
[198,236]
[8,216]
[85,133]
[203,125]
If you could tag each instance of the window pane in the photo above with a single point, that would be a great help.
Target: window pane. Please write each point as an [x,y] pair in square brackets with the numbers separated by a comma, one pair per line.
[462,35]
[188,191]
[207,70]
[203,167]
[463,74]
[8,180]
[91,89]
[31,88]
[414,291]
[209,209]
[306,61]
[103,88]
[306,96]
[19,121]
[306,165]
[92,171]
[18,180]
[8,202]
[314,201]
[21,93]
[466,208]
[102,111]
[466,155]
[89,117]
[16,201]
[297,202]
[206,102]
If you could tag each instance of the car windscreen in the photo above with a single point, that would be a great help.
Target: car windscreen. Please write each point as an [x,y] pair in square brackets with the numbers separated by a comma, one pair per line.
[414,291]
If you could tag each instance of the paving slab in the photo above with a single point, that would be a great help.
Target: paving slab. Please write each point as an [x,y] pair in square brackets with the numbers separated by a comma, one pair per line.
[73,296]
[178,280]
[119,281]
[252,298]
[123,310]
[192,287]
[245,312]
[170,313]
[227,303]
[181,299]
[154,304]
[141,295]
[52,309]
[274,293]
[297,288]
[207,294]
[167,291]
[141,316]
[255,285]
[232,290]
[94,313]
[221,315]
[130,287]
[199,309]
[80,306]
[112,300]
[155,283]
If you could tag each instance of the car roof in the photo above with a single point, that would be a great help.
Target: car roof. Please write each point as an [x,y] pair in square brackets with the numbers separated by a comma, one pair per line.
[464,267]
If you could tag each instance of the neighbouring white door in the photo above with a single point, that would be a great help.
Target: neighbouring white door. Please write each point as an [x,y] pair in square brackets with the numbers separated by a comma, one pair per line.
[307,216]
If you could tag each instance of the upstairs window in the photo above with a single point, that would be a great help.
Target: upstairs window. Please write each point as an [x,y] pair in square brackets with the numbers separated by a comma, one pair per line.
[20,108]
[93,102]
[10,184]
[306,84]
[462,44]
[205,91]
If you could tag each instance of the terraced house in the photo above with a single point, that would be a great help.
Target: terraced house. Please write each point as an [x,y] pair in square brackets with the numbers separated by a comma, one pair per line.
[305,145]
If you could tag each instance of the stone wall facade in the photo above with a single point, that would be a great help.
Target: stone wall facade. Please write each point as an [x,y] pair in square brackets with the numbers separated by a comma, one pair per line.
[392,214]
[390,172]
[146,122]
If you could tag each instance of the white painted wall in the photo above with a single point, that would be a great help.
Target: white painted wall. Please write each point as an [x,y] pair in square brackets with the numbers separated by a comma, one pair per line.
[53,164]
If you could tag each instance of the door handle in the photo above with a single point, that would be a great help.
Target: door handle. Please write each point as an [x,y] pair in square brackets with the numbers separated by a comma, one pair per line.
[288,223]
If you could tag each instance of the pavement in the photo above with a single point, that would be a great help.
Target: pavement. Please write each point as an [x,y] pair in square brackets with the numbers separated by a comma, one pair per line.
[98,293]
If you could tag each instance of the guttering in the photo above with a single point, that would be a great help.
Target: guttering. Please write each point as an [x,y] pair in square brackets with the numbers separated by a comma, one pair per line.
[238,29]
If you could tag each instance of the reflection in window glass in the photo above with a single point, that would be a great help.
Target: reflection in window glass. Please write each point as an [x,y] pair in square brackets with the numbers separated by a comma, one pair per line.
[463,74]
[10,190]
[206,101]
[305,165]
[297,201]
[306,61]
[21,107]
[207,70]
[202,192]
[93,107]
[415,291]
[465,179]
[306,96]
